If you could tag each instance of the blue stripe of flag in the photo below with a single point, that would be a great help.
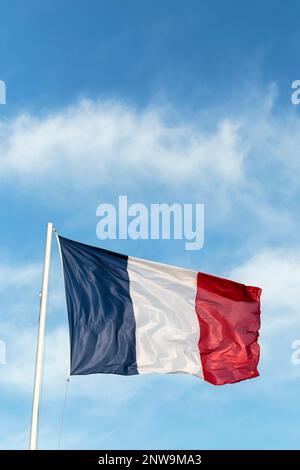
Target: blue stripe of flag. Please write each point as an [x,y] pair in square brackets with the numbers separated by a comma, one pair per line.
[100,310]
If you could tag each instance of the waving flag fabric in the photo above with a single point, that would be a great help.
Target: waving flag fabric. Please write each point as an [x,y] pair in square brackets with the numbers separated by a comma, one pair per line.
[131,316]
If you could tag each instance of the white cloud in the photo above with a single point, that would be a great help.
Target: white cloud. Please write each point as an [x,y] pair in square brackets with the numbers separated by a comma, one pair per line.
[278,273]
[239,165]
[18,276]
[90,142]
[242,162]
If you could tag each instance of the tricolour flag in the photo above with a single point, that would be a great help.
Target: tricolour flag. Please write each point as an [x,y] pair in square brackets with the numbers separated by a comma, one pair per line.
[131,316]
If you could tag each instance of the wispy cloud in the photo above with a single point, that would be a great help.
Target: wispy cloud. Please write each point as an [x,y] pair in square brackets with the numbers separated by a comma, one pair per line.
[19,275]
[245,159]
[94,140]
[278,273]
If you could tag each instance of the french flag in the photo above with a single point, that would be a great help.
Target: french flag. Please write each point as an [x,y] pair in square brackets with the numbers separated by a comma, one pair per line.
[131,316]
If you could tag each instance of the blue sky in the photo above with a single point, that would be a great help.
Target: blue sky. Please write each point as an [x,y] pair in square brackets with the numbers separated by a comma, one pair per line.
[164,102]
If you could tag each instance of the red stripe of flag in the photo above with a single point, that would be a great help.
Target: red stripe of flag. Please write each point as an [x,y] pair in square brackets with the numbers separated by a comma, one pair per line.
[229,318]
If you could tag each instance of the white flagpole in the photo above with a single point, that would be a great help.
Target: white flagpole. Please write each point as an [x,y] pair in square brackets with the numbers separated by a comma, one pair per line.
[33,443]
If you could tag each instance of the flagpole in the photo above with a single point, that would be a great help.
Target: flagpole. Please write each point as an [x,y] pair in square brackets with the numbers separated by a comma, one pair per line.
[33,443]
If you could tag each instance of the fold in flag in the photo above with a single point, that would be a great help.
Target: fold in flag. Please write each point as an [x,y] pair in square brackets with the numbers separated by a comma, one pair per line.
[130,316]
